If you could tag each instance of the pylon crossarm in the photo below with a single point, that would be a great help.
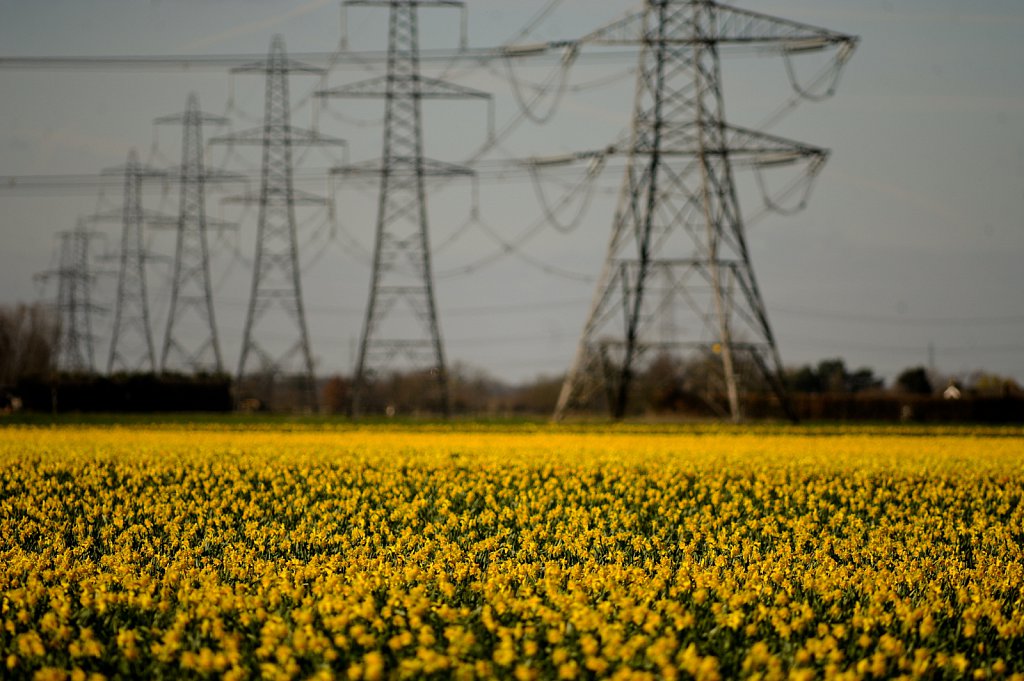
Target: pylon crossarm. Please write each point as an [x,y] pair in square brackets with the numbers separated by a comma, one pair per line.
[404,167]
[455,4]
[150,218]
[293,135]
[767,147]
[193,118]
[277,63]
[426,87]
[733,26]
[736,25]
[287,66]
[298,198]
[741,144]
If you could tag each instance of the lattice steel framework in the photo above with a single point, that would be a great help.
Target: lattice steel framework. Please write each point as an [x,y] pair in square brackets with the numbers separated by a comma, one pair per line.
[74,305]
[678,248]
[276,280]
[191,293]
[131,339]
[401,323]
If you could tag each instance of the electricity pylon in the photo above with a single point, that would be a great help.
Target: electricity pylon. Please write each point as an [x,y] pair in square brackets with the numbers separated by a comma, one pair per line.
[131,311]
[678,225]
[74,306]
[401,322]
[276,280]
[190,281]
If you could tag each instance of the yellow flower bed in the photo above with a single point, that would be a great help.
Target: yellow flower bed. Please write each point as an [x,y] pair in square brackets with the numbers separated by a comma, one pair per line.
[530,552]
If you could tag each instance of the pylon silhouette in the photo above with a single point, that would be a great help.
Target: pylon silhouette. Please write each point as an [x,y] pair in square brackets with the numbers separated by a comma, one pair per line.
[678,224]
[401,323]
[190,282]
[276,279]
[74,307]
[131,339]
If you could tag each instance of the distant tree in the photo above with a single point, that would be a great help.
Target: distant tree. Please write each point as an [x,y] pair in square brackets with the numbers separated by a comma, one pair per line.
[831,376]
[914,381]
[863,379]
[473,391]
[417,392]
[409,393]
[804,380]
[986,384]
[537,396]
[335,395]
[28,341]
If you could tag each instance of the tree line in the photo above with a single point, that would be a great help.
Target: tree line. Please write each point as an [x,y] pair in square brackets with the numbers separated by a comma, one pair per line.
[668,385]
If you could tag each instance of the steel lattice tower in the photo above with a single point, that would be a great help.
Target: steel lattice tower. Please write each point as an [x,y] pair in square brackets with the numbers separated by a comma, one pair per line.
[131,312]
[678,245]
[190,282]
[401,322]
[74,307]
[276,280]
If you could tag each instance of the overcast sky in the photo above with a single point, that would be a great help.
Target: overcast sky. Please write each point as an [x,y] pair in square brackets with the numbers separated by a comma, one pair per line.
[913,237]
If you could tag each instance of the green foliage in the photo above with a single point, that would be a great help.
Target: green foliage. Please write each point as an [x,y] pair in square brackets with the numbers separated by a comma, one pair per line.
[832,377]
[915,381]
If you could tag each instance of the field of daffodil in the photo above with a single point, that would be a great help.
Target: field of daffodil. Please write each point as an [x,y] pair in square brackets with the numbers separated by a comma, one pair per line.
[526,552]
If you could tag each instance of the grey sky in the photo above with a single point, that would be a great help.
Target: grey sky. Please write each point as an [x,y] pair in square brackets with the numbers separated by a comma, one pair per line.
[914,234]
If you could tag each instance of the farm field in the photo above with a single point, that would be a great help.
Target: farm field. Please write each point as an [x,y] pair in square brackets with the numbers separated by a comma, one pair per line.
[290,551]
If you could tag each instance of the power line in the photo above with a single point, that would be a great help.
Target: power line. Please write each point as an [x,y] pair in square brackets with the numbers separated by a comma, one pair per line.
[846,344]
[620,39]
[456,311]
[344,59]
[514,308]
[897,320]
